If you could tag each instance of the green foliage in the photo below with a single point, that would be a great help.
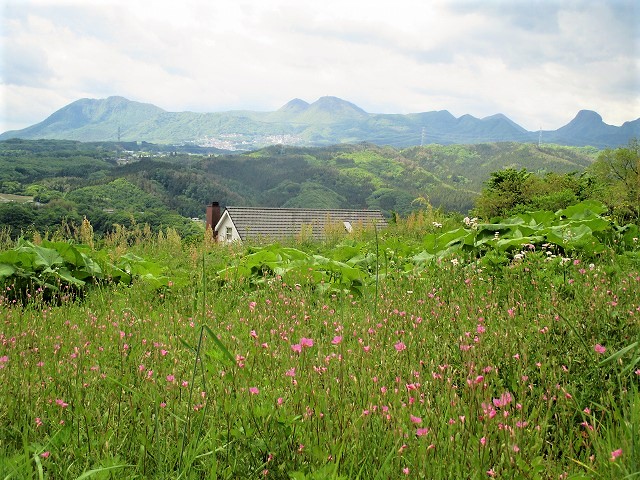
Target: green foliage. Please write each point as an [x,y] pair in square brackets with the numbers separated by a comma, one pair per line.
[117,195]
[353,266]
[336,272]
[315,195]
[62,270]
[612,179]
[619,170]
[129,183]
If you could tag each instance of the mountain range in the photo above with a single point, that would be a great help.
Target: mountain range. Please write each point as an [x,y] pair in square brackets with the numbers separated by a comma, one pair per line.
[327,121]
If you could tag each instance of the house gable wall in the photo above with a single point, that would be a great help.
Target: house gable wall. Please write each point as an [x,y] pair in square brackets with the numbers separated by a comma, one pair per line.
[227,231]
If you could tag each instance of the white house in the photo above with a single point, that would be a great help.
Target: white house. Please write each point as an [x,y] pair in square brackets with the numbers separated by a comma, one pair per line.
[242,223]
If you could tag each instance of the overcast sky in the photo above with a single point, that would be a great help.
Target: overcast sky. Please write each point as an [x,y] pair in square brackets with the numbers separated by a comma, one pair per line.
[538,62]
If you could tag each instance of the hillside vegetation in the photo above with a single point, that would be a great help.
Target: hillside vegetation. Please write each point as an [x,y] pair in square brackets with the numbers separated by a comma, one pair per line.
[129,183]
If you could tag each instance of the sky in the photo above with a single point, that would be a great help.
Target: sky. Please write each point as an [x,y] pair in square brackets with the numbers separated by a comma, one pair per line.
[537,62]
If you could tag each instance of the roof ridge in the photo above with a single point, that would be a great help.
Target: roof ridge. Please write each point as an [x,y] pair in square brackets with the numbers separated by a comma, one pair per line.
[307,209]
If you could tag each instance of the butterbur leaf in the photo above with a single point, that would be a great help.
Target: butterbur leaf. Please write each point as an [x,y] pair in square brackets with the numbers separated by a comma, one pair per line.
[47,257]
[6,270]
[66,275]
[423,257]
[583,210]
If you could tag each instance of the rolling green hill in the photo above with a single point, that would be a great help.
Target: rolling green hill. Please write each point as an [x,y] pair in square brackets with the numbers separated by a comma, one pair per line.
[127,183]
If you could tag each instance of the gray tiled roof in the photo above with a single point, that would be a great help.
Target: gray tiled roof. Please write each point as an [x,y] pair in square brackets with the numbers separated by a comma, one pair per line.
[288,222]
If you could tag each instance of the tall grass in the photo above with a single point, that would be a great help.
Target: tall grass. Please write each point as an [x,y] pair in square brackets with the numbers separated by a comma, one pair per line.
[456,372]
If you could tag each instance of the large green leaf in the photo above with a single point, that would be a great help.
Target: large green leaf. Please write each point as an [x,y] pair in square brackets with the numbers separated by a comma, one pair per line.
[46,257]
[423,257]
[67,276]
[67,251]
[540,217]
[509,243]
[452,237]
[6,270]
[583,210]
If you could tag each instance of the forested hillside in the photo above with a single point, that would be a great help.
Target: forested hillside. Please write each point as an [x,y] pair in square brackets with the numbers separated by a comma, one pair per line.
[125,183]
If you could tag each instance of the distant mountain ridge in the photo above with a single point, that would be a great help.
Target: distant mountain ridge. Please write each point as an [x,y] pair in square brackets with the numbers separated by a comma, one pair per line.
[327,121]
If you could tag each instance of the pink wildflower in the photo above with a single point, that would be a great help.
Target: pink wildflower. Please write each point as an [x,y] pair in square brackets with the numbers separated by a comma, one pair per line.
[615,454]
[336,340]
[62,403]
[45,454]
[400,346]
[405,470]
[415,419]
[599,348]
[254,390]
[296,348]
[504,400]
[421,432]
[306,342]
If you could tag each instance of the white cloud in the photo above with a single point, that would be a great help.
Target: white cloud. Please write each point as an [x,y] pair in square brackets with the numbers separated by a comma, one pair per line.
[538,63]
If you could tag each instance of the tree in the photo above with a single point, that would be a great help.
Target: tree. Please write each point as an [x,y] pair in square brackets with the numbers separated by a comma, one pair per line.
[16,218]
[619,170]
[505,190]
[510,191]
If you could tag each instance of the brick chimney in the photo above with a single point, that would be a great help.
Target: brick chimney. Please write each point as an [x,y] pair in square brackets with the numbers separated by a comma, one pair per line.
[213,217]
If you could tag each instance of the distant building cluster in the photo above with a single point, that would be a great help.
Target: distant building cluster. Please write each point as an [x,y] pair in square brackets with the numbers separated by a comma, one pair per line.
[238,141]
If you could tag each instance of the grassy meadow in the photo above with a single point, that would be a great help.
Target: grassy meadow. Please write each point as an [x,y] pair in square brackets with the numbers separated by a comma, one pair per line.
[510,365]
